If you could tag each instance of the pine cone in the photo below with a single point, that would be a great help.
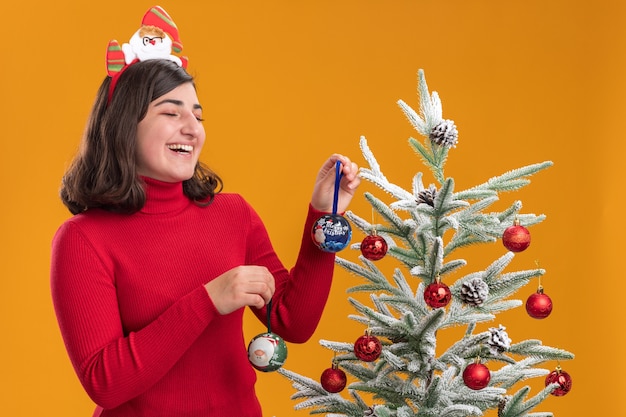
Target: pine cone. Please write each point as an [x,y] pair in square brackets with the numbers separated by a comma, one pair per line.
[499,341]
[474,292]
[427,196]
[501,405]
[369,412]
[445,134]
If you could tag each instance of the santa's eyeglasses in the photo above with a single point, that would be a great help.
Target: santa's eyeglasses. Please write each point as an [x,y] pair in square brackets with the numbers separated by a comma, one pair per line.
[152,40]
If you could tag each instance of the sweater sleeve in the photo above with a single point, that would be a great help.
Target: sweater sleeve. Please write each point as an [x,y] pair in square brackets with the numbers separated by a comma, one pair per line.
[113,367]
[302,292]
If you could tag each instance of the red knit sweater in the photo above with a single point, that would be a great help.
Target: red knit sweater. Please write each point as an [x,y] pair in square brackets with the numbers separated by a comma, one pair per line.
[141,331]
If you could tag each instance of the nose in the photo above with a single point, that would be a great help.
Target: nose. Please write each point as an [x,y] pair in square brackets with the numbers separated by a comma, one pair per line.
[192,126]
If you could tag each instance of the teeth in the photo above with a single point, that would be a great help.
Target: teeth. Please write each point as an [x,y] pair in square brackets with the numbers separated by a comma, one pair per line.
[180,147]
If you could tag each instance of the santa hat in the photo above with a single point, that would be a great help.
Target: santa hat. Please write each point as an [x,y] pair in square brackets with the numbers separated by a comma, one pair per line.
[158,17]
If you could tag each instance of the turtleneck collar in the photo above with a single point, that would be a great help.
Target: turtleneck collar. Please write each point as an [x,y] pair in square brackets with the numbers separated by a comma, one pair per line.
[164,197]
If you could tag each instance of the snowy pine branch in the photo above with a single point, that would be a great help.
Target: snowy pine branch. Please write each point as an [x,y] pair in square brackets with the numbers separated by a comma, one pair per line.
[534,349]
[512,180]
[516,406]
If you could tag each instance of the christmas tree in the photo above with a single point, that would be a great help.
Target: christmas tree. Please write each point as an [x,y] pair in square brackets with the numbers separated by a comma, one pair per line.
[395,367]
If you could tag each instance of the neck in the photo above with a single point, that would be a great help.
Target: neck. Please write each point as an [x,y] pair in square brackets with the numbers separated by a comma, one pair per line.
[164,197]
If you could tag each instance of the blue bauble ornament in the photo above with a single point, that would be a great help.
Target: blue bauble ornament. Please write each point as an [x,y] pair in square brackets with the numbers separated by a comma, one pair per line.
[331,233]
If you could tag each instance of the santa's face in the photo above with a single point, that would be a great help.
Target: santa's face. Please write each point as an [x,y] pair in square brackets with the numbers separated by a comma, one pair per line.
[261,351]
[320,237]
[151,42]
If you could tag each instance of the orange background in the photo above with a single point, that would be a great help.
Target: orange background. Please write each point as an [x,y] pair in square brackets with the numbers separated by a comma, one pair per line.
[286,83]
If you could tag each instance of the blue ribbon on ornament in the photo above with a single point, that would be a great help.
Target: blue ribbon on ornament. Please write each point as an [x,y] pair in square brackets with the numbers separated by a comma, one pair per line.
[338,175]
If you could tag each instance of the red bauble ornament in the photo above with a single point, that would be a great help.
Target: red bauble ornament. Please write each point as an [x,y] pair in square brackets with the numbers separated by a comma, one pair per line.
[539,305]
[562,378]
[373,247]
[516,238]
[437,295]
[367,347]
[333,379]
[476,376]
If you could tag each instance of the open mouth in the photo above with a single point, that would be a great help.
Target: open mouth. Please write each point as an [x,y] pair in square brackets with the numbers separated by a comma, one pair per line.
[183,149]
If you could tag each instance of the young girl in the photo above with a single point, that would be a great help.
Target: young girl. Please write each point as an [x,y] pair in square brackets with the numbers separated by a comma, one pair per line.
[151,275]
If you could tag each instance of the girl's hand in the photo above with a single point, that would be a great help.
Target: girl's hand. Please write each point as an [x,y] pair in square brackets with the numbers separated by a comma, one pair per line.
[324,189]
[245,285]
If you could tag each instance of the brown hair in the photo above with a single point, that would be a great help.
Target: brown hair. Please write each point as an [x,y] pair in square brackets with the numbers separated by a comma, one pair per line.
[104,173]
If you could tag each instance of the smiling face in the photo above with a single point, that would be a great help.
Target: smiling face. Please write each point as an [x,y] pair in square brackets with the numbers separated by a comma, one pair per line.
[170,136]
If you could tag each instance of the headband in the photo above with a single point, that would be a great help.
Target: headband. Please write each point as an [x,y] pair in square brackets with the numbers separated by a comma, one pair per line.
[157,38]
